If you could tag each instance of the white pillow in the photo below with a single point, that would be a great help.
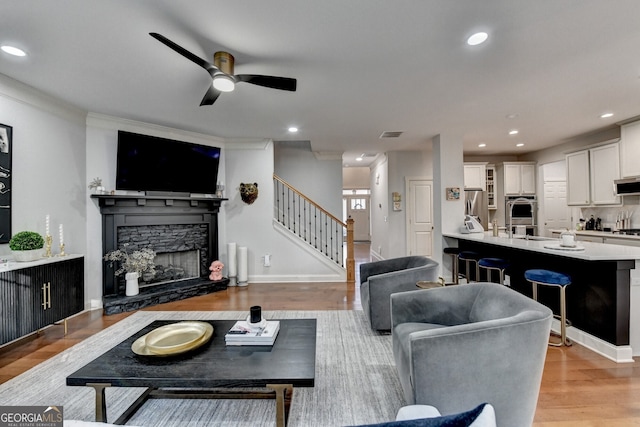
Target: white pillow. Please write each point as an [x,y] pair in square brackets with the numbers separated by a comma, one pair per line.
[413,412]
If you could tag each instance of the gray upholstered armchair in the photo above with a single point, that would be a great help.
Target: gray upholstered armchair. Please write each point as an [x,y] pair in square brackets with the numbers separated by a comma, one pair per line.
[458,346]
[379,279]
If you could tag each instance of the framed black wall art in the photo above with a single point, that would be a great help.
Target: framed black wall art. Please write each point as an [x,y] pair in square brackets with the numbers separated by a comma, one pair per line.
[6,137]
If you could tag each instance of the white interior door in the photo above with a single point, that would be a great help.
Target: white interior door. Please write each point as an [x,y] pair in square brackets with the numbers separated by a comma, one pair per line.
[419,216]
[358,210]
[556,213]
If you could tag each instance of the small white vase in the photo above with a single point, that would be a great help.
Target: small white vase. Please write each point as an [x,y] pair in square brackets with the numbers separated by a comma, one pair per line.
[132,287]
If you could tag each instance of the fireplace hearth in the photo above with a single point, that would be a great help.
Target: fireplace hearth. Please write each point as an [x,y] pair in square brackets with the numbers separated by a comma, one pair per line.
[160,294]
[183,231]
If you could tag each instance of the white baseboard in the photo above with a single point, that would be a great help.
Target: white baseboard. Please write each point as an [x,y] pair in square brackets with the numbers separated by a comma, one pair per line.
[617,353]
[298,278]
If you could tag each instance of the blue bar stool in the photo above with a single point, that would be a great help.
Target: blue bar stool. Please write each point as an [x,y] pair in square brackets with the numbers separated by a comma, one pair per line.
[553,278]
[498,264]
[453,251]
[470,257]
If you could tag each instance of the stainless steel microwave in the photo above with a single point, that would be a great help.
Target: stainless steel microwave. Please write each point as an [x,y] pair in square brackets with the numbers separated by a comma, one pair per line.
[627,186]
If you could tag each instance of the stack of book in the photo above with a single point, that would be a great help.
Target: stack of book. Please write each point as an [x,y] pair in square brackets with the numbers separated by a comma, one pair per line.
[243,333]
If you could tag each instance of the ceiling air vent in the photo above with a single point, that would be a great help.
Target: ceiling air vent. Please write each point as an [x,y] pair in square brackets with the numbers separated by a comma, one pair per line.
[390,134]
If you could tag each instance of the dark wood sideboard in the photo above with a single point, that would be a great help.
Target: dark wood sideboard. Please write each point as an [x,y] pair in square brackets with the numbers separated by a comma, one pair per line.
[37,294]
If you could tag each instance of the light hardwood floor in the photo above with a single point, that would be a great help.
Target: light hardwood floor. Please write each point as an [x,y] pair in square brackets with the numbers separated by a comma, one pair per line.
[579,387]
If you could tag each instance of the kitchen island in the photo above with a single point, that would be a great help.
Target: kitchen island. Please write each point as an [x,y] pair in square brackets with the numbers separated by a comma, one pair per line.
[599,297]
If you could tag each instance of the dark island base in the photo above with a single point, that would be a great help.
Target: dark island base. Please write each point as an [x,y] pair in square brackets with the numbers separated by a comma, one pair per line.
[160,294]
[598,299]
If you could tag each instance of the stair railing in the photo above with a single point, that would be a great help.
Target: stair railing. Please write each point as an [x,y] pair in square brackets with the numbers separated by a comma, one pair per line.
[316,226]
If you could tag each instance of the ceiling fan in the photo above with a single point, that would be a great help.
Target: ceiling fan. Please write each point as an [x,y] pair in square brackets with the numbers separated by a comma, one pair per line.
[221,72]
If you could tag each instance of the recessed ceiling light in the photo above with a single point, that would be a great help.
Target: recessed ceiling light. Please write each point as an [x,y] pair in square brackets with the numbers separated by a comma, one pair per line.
[293,129]
[513,132]
[511,116]
[358,159]
[606,115]
[477,38]
[520,144]
[12,50]
[482,145]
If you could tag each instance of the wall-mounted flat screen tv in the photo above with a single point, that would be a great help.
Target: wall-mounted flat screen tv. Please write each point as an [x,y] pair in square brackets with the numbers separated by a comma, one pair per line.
[161,165]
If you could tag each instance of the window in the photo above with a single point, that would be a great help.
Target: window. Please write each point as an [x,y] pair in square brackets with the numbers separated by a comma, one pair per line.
[358,204]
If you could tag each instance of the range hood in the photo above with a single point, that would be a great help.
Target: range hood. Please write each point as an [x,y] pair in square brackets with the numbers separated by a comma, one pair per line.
[627,186]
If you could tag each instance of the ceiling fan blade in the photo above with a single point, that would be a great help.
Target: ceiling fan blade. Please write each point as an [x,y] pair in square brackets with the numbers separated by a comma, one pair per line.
[184,52]
[211,96]
[282,83]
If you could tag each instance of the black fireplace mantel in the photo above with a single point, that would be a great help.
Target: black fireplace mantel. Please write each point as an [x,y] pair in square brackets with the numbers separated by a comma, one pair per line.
[107,201]
[136,210]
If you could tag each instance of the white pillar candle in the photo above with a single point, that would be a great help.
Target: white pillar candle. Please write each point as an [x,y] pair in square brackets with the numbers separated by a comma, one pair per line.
[243,271]
[231,259]
[61,235]
[46,225]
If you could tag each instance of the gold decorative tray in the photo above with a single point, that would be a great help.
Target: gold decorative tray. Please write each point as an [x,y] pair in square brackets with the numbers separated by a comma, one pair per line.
[175,338]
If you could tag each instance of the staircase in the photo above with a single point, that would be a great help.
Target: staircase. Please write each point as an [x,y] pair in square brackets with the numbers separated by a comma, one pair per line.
[314,225]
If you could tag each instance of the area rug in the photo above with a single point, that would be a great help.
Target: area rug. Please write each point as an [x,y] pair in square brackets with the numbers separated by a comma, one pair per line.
[356,380]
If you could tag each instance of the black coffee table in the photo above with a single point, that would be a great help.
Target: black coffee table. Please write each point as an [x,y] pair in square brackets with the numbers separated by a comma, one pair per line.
[211,371]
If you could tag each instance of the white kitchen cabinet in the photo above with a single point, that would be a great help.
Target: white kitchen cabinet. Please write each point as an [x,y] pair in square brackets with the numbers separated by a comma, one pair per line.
[621,241]
[594,239]
[519,179]
[630,150]
[475,176]
[590,176]
[578,191]
[605,168]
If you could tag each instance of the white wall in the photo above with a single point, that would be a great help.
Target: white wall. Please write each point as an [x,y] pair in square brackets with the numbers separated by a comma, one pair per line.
[253,226]
[403,164]
[48,175]
[389,227]
[320,179]
[380,208]
[356,177]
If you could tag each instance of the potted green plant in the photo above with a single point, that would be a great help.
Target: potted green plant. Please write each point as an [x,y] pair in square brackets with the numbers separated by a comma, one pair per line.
[26,246]
[133,264]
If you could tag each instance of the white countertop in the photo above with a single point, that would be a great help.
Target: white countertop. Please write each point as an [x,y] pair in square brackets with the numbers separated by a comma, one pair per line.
[600,234]
[592,251]
[11,264]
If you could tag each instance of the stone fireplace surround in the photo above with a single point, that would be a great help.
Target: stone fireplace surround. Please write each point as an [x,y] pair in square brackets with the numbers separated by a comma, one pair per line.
[167,239]
[167,224]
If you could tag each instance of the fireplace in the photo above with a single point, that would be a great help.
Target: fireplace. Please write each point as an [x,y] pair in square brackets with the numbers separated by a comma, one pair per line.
[173,266]
[183,231]
[181,250]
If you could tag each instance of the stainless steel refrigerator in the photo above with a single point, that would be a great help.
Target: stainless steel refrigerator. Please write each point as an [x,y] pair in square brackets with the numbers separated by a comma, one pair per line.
[476,205]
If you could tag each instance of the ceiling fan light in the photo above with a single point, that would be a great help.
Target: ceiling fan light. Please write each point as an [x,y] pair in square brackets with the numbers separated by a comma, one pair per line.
[223,83]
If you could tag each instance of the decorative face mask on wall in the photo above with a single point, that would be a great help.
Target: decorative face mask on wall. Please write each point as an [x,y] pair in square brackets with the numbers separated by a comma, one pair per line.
[249,192]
